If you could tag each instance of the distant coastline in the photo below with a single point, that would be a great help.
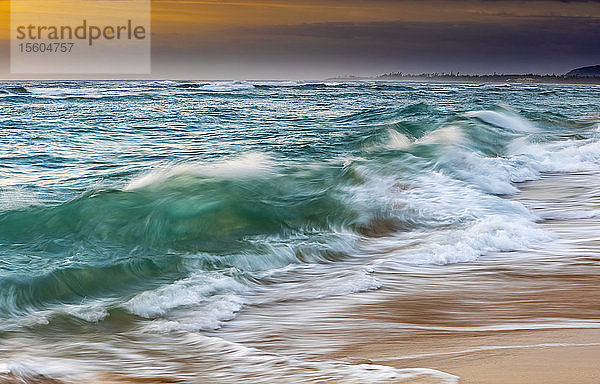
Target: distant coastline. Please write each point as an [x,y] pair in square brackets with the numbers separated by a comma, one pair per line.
[510,78]
[583,75]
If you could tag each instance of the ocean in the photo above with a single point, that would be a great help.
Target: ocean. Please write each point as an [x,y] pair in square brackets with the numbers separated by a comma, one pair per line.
[198,231]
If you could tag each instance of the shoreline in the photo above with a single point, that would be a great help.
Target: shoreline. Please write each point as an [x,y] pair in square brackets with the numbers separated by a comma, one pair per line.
[525,297]
[526,356]
[517,317]
[479,80]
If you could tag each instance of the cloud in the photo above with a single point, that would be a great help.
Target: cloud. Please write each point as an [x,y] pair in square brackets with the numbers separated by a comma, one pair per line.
[538,44]
[515,35]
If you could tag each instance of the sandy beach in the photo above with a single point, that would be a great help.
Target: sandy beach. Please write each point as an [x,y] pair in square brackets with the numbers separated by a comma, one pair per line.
[470,348]
[548,356]
[530,321]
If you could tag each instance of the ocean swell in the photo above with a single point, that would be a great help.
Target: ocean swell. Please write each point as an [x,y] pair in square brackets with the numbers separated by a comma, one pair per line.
[411,185]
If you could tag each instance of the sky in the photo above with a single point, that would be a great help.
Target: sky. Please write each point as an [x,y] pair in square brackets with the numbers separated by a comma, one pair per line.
[315,39]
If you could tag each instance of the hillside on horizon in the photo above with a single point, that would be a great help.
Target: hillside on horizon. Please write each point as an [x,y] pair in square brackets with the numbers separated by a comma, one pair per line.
[588,71]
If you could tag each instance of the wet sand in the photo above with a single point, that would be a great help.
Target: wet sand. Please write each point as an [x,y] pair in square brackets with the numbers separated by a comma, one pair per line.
[466,331]
[556,356]
[466,345]
[520,317]
[538,330]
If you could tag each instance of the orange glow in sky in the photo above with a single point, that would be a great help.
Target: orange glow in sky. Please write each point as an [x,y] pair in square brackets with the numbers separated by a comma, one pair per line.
[187,33]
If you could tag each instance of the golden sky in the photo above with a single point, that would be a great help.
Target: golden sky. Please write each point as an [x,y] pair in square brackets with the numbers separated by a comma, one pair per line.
[4,19]
[190,15]
[190,34]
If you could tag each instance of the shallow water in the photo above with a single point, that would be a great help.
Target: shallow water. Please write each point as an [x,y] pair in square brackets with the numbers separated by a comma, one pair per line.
[229,232]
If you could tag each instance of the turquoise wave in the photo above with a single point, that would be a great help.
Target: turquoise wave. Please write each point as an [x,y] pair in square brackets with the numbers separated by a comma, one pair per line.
[108,198]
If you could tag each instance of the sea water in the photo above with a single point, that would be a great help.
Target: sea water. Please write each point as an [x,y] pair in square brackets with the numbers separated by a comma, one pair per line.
[138,218]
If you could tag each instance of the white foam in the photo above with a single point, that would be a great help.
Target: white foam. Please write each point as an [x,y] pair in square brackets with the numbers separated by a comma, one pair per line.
[215,296]
[397,140]
[454,222]
[165,82]
[486,348]
[250,164]
[361,281]
[283,84]
[226,86]
[563,156]
[45,367]
[493,234]
[92,312]
[486,236]
[450,135]
[504,120]
[90,93]
[524,161]
[15,197]
[335,283]
[571,214]
[494,175]
[254,361]
[498,85]
[194,357]
[516,326]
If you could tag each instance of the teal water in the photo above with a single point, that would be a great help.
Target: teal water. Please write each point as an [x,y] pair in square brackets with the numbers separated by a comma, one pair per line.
[167,207]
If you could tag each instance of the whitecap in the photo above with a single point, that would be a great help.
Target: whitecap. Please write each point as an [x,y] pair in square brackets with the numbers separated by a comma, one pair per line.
[249,164]
[505,119]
